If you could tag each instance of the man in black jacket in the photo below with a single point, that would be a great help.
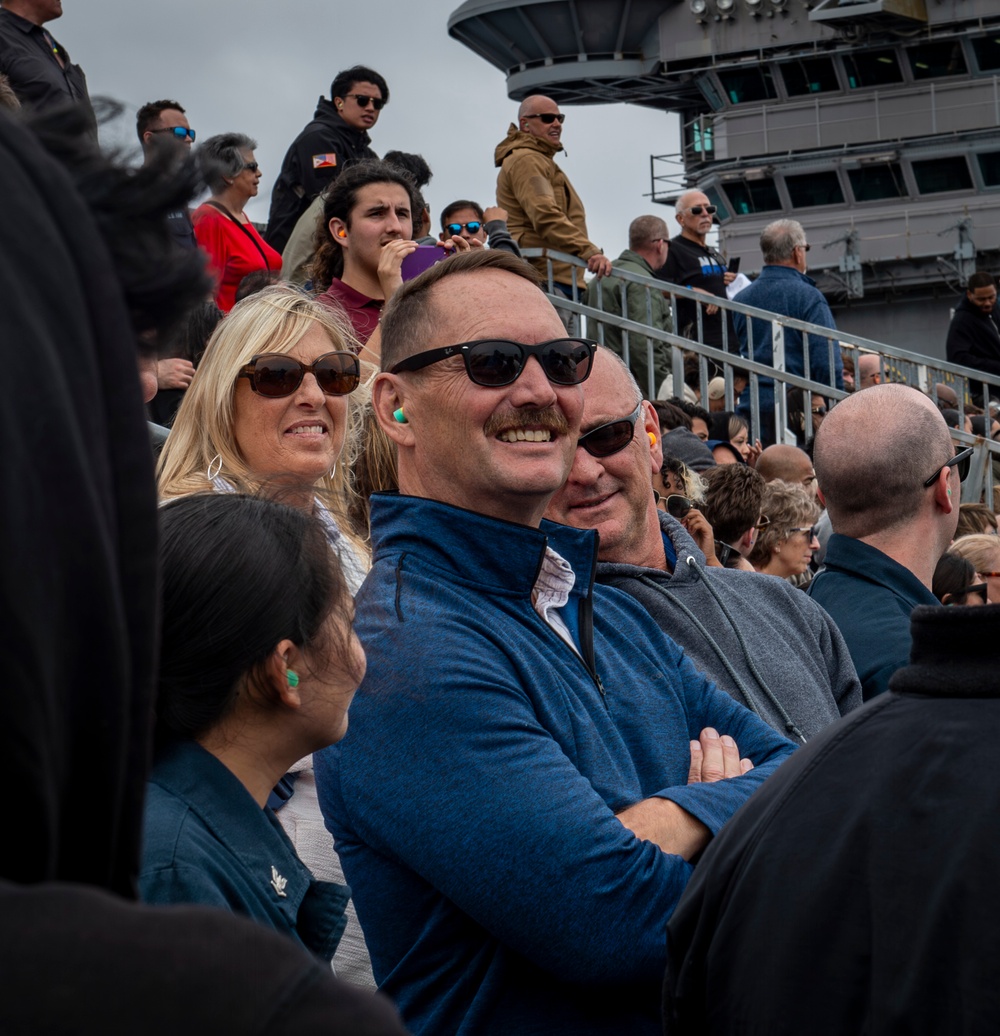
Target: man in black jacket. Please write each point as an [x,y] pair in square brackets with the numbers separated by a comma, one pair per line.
[974,333]
[336,138]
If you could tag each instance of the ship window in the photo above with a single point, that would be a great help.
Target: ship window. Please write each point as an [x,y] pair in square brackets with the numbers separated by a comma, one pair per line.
[813,189]
[872,68]
[809,76]
[717,200]
[750,196]
[936,175]
[989,166]
[699,134]
[987,51]
[748,84]
[933,60]
[875,182]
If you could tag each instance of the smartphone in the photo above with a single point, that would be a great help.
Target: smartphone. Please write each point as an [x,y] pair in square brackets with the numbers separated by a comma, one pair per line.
[422,259]
[734,264]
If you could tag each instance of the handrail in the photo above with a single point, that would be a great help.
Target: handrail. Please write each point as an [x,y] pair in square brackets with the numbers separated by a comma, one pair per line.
[897,365]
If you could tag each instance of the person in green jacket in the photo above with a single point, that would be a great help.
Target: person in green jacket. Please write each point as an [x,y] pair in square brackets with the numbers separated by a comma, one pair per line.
[648,241]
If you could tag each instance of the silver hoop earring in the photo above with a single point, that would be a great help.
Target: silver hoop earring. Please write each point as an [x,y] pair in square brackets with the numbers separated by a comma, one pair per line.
[216,463]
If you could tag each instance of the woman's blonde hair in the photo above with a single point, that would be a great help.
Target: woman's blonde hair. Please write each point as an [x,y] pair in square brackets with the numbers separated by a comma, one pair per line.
[982,549]
[272,321]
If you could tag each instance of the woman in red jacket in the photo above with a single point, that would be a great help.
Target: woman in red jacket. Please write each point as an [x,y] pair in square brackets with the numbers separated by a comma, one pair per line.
[221,226]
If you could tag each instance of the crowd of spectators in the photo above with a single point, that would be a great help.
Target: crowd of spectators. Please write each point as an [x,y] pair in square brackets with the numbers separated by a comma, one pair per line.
[574,630]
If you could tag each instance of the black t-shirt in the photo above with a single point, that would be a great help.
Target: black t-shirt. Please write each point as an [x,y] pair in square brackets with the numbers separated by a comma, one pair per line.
[692,265]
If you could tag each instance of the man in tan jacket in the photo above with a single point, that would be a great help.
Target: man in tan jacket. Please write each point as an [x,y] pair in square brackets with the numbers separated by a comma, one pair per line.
[543,209]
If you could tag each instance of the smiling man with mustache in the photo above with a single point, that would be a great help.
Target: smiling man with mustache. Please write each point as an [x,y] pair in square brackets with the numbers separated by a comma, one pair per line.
[531,761]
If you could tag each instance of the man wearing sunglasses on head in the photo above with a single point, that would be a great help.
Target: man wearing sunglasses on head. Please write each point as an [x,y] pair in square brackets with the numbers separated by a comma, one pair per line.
[761,640]
[693,263]
[512,805]
[543,209]
[890,479]
[468,220]
[336,138]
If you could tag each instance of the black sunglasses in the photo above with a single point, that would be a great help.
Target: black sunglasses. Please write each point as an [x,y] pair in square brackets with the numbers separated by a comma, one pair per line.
[276,375]
[962,460]
[252,166]
[495,362]
[456,228]
[608,439]
[811,531]
[549,117]
[677,506]
[364,100]
[697,210]
[180,132]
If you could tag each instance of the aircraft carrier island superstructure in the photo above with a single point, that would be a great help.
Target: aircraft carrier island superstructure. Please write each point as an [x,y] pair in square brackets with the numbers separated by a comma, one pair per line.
[875,123]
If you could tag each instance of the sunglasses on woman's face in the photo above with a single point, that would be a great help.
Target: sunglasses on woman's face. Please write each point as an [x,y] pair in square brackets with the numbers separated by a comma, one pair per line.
[252,166]
[677,506]
[456,228]
[608,439]
[495,362]
[276,375]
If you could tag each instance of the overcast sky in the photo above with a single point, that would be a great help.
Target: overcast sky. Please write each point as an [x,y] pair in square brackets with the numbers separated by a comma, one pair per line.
[258,67]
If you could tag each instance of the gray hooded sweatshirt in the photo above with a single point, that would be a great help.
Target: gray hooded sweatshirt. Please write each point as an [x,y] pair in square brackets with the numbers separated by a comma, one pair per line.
[769,645]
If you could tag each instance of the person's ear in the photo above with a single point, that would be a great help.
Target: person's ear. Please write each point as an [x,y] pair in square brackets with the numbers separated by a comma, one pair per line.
[943,493]
[338,230]
[283,671]
[651,428]
[389,403]
[745,543]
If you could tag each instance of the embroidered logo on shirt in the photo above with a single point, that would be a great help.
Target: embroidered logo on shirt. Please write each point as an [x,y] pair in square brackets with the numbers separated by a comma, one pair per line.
[327,161]
[278,882]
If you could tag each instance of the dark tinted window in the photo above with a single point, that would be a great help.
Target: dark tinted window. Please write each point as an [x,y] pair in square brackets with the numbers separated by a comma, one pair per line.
[987,51]
[936,175]
[933,60]
[814,189]
[747,84]
[872,68]
[717,200]
[809,76]
[874,182]
[752,196]
[989,166]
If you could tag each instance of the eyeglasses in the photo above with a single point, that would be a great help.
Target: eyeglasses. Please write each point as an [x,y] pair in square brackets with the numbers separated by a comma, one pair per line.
[549,117]
[495,362]
[988,575]
[806,247]
[608,439]
[276,375]
[821,410]
[698,210]
[457,228]
[812,530]
[364,100]
[962,460]
[678,506]
[762,522]
[979,590]
[180,132]
[252,166]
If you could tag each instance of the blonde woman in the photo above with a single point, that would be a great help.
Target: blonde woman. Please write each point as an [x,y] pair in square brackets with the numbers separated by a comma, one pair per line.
[983,550]
[785,546]
[276,402]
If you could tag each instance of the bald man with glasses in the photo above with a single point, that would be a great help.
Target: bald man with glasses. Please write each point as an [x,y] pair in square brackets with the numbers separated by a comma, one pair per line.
[543,209]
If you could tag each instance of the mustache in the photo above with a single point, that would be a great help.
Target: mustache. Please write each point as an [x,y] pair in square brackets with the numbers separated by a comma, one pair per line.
[550,419]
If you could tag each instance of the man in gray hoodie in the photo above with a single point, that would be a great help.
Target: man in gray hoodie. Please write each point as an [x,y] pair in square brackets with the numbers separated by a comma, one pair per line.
[759,638]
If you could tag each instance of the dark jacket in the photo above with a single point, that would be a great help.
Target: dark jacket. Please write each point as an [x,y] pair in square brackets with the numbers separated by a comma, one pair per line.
[473,801]
[36,76]
[974,339]
[857,891]
[755,636]
[870,597]
[304,173]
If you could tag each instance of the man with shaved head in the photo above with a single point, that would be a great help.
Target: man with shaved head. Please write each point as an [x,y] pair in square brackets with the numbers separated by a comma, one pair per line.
[788,463]
[869,371]
[518,801]
[543,210]
[889,476]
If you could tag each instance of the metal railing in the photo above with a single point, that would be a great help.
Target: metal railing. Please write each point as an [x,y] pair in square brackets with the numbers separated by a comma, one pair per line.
[895,365]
